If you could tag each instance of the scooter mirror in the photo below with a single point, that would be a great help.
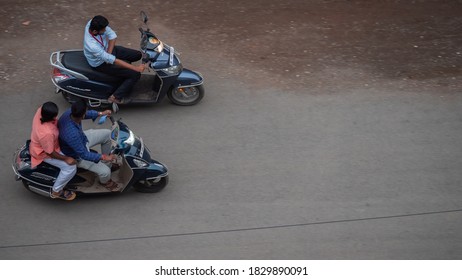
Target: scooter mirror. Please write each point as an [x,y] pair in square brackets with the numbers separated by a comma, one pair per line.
[144,17]
[115,108]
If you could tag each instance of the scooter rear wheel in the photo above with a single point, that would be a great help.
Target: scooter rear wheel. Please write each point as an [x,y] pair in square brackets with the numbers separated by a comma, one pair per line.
[151,186]
[38,190]
[71,99]
[67,97]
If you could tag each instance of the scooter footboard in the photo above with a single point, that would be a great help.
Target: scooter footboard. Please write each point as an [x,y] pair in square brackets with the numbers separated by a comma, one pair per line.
[90,183]
[124,176]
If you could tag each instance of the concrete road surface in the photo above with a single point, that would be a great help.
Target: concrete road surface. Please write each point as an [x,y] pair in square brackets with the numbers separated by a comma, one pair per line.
[329,130]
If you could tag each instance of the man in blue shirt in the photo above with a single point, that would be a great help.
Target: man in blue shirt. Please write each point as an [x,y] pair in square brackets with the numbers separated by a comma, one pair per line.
[104,56]
[76,143]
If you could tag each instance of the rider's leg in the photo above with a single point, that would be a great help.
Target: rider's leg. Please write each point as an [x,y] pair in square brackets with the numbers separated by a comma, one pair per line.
[126,54]
[128,77]
[65,174]
[99,137]
[100,169]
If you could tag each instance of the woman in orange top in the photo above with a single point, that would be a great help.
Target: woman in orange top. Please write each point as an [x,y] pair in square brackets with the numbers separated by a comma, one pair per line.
[44,146]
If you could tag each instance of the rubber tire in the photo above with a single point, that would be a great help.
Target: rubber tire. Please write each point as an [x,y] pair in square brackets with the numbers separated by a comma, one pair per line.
[67,97]
[71,99]
[144,187]
[26,185]
[175,101]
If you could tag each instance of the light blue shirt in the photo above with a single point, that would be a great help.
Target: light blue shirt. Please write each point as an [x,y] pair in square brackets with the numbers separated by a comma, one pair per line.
[95,47]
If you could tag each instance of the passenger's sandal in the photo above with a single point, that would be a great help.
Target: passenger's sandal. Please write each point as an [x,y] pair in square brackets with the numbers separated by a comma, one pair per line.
[64,195]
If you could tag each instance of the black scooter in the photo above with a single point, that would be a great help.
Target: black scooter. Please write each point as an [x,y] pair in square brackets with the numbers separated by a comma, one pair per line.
[75,78]
[137,168]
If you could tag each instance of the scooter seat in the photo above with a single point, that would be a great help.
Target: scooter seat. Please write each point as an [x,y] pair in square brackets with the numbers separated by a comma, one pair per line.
[76,61]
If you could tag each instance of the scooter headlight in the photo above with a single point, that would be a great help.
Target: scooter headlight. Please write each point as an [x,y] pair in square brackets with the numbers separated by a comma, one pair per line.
[159,48]
[140,163]
[173,70]
[131,138]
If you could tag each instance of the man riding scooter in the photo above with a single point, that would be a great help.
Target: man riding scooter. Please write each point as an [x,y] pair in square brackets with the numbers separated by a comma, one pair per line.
[104,56]
[82,73]
[76,143]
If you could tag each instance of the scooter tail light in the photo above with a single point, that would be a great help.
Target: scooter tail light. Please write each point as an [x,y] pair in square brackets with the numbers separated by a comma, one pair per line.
[58,76]
[22,165]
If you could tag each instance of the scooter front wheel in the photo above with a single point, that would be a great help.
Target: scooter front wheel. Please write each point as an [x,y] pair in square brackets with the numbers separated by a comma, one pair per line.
[151,186]
[186,96]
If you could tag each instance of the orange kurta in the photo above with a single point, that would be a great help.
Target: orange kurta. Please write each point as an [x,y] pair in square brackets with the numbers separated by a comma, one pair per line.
[44,139]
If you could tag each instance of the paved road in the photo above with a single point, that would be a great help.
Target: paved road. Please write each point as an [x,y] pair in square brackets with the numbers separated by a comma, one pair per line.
[329,130]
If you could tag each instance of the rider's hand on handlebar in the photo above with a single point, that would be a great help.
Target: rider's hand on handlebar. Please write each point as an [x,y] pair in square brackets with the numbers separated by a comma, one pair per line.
[106,113]
[110,158]
[141,68]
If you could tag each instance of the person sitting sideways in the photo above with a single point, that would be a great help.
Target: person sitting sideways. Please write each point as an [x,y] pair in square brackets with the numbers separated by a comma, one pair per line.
[76,142]
[44,146]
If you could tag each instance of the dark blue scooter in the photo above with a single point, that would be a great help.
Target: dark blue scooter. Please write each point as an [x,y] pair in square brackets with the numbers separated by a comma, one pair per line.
[137,168]
[75,78]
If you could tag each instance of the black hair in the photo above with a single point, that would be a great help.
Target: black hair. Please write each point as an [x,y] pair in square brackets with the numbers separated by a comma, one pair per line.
[49,112]
[98,23]
[79,108]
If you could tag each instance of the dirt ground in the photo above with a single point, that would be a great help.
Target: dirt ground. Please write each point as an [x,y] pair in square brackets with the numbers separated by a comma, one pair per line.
[311,47]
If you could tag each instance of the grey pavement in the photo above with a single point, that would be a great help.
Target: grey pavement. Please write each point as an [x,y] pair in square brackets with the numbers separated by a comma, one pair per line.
[261,169]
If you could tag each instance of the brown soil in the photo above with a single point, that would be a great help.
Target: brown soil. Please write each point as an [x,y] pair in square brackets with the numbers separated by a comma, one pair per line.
[309,46]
